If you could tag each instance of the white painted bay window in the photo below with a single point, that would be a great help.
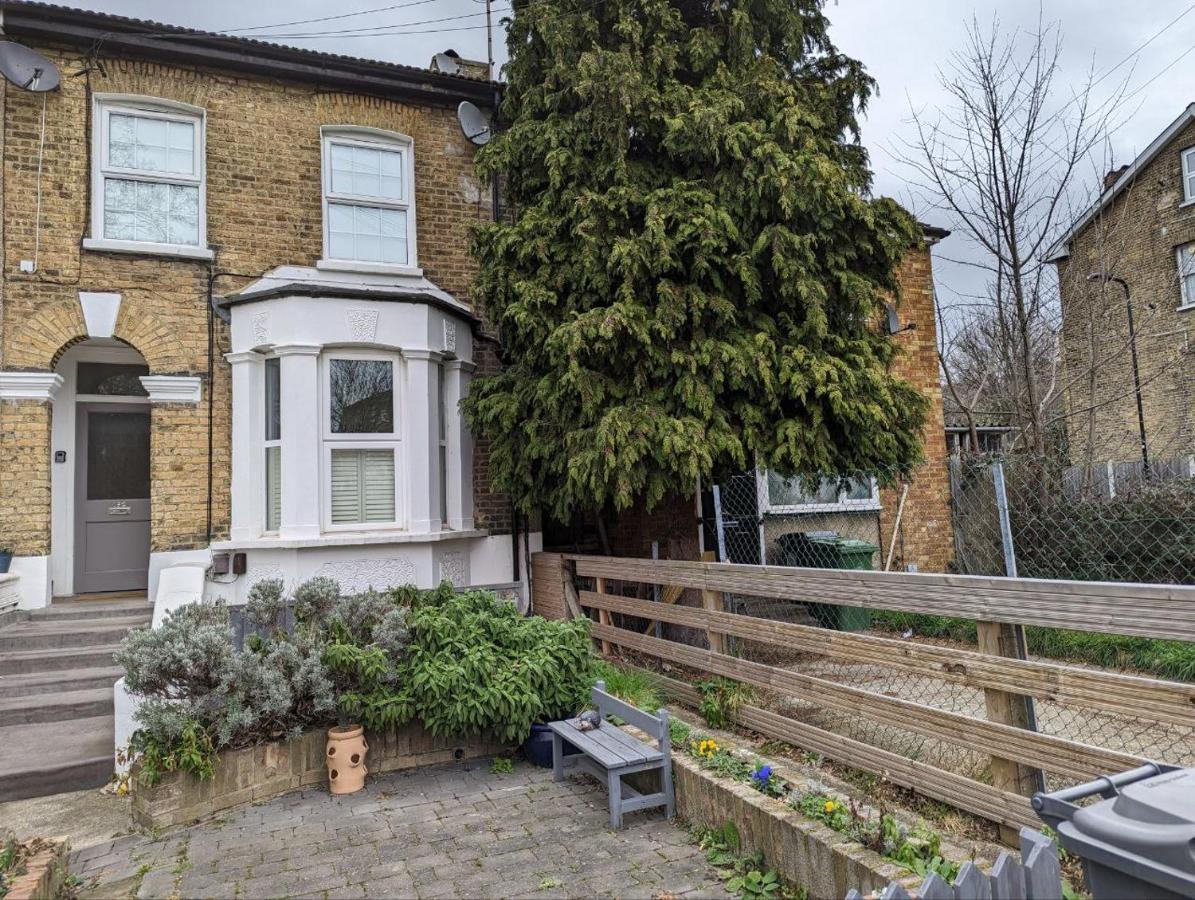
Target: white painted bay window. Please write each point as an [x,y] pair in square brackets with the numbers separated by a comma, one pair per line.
[369,202]
[148,176]
[362,441]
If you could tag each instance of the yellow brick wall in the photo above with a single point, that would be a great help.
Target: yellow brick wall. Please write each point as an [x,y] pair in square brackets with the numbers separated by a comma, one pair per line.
[263,210]
[1135,239]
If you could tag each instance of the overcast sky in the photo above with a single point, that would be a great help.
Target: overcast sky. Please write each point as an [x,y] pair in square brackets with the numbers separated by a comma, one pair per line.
[901,43]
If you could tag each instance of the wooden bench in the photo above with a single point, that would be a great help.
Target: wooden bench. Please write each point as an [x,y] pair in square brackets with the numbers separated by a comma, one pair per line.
[608,753]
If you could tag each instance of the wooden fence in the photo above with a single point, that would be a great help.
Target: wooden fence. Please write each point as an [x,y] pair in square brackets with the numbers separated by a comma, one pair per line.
[997,604]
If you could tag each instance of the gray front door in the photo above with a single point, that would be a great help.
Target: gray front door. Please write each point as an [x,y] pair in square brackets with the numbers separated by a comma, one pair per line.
[112,498]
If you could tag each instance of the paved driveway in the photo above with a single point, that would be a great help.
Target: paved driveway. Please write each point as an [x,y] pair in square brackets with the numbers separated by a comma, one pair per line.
[447,831]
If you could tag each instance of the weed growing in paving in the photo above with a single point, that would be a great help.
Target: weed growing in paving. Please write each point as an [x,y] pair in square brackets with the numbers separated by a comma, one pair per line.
[745,875]
[502,765]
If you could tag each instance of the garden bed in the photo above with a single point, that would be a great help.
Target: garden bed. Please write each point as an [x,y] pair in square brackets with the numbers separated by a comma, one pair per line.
[267,770]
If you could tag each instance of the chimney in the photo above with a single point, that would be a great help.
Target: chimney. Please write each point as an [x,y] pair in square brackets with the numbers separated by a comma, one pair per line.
[1111,177]
[452,63]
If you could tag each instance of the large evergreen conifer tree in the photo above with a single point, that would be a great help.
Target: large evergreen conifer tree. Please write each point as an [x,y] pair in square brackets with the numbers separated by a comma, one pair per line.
[691,270]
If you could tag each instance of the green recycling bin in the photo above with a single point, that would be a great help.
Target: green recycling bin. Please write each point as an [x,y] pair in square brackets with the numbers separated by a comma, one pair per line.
[829,550]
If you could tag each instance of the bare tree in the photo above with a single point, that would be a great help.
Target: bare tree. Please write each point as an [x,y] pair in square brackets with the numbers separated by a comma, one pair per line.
[1004,158]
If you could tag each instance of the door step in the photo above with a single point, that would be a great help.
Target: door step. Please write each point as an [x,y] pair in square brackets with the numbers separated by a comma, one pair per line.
[56,682]
[52,635]
[26,662]
[59,706]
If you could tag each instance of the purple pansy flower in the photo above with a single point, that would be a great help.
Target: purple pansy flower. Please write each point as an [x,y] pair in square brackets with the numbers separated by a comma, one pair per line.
[762,775]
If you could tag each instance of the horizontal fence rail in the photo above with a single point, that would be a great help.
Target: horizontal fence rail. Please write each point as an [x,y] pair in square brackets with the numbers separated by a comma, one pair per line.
[1144,610]
[596,587]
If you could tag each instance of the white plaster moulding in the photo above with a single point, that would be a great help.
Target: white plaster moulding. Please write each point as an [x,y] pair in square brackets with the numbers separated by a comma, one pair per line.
[348,539]
[29,385]
[173,388]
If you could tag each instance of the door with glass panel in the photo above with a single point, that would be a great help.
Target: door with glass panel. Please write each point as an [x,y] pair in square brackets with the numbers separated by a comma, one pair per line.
[112,497]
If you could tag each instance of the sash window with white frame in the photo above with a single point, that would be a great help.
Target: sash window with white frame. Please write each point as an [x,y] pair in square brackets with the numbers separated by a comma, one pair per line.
[149,174]
[369,203]
[361,440]
[1186,274]
[273,443]
[1188,158]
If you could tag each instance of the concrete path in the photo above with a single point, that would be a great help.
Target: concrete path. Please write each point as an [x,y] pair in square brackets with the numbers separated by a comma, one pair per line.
[448,831]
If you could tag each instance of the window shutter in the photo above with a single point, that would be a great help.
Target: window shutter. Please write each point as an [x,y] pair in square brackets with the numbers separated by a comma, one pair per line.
[362,486]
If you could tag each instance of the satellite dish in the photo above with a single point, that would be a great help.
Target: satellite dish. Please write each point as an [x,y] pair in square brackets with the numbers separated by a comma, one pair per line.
[894,326]
[446,63]
[473,123]
[26,68]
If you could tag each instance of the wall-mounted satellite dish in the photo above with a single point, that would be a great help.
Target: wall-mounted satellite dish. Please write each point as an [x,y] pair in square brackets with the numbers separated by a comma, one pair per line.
[27,68]
[446,63]
[894,326]
[473,123]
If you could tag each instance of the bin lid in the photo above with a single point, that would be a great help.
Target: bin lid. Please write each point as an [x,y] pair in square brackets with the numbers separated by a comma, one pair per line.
[825,538]
[854,545]
[1146,831]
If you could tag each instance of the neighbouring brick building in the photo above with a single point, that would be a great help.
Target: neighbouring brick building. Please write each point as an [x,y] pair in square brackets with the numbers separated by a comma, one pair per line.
[1137,239]
[235,315]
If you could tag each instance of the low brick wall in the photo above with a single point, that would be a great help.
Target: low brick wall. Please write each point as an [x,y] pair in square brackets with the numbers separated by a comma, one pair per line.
[43,873]
[267,770]
[808,853]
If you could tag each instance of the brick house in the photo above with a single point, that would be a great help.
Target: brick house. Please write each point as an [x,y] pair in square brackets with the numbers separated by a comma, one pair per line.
[235,316]
[1136,244]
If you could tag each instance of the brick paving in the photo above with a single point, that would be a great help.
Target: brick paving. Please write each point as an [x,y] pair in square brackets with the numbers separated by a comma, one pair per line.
[446,831]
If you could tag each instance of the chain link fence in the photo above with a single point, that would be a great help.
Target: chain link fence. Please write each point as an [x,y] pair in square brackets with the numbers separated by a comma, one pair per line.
[1020,515]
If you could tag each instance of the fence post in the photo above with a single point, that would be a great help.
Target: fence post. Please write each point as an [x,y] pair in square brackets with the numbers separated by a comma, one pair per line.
[712,600]
[1003,639]
[603,614]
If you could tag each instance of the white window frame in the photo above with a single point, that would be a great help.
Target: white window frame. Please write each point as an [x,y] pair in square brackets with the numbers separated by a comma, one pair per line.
[330,440]
[104,105]
[374,139]
[1188,297]
[1188,167]
[843,504]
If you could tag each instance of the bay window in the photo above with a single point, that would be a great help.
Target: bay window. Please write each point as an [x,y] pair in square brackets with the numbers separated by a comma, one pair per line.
[361,441]
[148,166]
[369,205]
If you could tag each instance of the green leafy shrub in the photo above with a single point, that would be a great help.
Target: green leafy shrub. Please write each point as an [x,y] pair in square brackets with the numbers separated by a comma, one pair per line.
[169,741]
[477,665]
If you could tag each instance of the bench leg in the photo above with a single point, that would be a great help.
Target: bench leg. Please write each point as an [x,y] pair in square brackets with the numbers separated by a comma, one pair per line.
[614,783]
[557,757]
[666,786]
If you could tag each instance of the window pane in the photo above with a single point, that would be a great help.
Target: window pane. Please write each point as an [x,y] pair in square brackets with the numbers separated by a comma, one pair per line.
[273,399]
[362,396]
[362,486]
[273,488]
[117,456]
[111,379]
[367,233]
[150,211]
[151,144]
[367,172]
[858,489]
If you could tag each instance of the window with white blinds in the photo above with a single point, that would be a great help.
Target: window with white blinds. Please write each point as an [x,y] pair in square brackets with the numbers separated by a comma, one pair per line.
[361,438]
[362,486]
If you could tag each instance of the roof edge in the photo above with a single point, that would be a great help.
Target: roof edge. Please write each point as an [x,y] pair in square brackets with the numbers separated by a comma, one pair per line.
[146,39]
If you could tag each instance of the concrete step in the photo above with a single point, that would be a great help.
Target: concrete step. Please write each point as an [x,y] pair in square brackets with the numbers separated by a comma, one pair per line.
[54,757]
[27,662]
[55,682]
[72,633]
[59,706]
[68,610]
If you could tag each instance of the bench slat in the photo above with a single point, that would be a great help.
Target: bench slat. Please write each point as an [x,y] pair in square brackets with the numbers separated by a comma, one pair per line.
[615,740]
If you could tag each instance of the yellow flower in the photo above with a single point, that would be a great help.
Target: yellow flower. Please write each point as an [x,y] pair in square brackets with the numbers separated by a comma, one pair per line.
[830,804]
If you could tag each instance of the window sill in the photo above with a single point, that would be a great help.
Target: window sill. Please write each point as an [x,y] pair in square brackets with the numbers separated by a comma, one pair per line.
[146,248]
[366,268]
[347,539]
[1188,202]
[1185,307]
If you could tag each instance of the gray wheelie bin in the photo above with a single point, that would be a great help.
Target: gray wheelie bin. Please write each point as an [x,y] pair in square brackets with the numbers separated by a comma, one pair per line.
[1139,840]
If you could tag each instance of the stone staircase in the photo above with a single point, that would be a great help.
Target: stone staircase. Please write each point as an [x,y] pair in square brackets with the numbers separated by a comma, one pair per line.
[56,677]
